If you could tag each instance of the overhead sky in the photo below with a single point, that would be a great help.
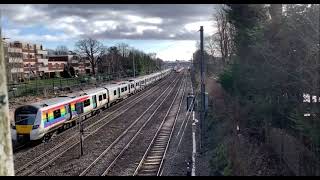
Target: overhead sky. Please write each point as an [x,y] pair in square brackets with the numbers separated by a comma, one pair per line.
[170,31]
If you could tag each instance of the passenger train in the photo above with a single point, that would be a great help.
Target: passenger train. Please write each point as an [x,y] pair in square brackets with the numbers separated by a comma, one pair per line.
[41,119]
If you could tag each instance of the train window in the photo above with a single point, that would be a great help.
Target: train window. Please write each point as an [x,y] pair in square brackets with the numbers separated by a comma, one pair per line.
[126,88]
[100,98]
[136,84]
[115,92]
[56,114]
[122,89]
[47,117]
[104,96]
[87,103]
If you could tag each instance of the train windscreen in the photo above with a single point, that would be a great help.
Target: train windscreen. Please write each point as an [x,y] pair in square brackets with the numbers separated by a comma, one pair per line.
[25,115]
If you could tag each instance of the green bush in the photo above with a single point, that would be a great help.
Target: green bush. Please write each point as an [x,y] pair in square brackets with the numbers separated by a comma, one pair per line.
[220,165]
[226,80]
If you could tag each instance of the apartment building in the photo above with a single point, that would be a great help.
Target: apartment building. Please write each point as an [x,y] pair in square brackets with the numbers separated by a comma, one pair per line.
[26,61]
[14,60]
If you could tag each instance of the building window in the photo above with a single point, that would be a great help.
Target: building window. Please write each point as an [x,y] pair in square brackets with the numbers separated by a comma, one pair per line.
[87,103]
[57,114]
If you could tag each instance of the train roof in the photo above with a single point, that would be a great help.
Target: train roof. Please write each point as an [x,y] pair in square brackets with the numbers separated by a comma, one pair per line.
[112,85]
[95,90]
[51,102]
[136,79]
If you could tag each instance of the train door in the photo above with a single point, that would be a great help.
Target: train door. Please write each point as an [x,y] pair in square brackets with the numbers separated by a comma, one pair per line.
[130,87]
[119,93]
[100,99]
[108,96]
[70,111]
[67,115]
[94,101]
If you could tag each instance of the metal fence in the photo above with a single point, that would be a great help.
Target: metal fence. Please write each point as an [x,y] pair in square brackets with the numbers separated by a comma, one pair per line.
[47,86]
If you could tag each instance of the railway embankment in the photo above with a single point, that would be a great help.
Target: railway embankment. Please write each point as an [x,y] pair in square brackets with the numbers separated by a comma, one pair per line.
[226,151]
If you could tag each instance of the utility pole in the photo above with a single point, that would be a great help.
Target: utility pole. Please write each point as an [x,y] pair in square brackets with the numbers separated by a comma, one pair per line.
[202,112]
[79,109]
[81,135]
[134,66]
[6,155]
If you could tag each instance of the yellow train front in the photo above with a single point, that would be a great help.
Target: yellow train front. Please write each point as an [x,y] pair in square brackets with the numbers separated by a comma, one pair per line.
[27,123]
[35,121]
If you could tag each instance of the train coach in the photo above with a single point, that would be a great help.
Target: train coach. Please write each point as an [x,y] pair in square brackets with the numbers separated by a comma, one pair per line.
[37,120]
[40,120]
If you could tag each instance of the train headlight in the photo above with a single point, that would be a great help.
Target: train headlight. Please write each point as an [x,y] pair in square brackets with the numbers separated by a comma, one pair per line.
[35,126]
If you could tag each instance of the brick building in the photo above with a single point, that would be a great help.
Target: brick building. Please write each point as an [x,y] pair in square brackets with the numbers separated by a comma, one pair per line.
[27,61]
[58,62]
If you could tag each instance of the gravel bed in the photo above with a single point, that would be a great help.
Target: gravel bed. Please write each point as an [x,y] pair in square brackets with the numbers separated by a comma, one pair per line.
[129,160]
[175,162]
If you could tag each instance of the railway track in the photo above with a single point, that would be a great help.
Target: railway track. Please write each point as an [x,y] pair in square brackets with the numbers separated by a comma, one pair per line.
[96,168]
[43,160]
[172,160]
[153,159]
[134,148]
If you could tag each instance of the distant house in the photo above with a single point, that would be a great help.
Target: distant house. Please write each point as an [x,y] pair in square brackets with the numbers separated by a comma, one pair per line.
[58,62]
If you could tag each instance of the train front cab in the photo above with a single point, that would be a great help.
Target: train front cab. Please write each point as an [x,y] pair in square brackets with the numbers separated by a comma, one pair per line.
[27,120]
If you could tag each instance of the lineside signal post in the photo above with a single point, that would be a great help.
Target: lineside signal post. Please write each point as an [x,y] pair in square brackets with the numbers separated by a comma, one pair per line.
[190,100]
[79,108]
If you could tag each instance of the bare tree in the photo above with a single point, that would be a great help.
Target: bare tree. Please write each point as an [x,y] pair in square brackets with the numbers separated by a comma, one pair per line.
[210,44]
[224,35]
[62,50]
[91,48]
[276,13]
[123,49]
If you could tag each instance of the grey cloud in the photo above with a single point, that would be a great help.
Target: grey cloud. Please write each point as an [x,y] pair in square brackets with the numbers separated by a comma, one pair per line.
[174,17]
